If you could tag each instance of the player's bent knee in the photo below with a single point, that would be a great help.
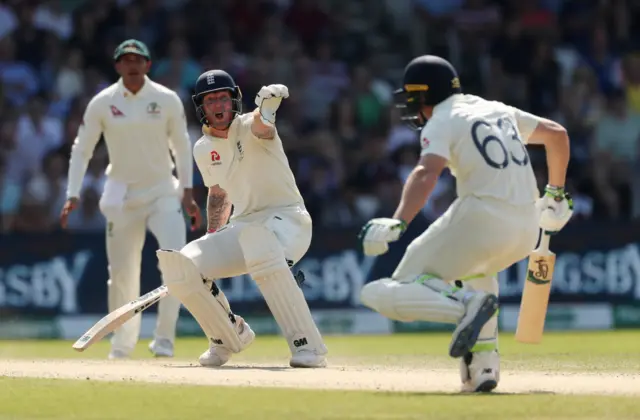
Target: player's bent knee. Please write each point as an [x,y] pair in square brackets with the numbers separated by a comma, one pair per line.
[373,293]
[411,301]
[379,295]
[192,250]
[179,272]
[209,307]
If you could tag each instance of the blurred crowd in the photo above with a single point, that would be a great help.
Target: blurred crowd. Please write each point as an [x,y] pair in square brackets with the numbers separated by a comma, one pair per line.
[575,61]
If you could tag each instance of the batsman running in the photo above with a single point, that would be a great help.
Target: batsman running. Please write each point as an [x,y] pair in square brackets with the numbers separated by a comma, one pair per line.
[493,223]
[242,162]
[143,124]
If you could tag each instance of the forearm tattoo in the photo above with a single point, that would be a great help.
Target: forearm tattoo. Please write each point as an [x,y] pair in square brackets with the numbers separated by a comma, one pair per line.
[218,209]
[263,132]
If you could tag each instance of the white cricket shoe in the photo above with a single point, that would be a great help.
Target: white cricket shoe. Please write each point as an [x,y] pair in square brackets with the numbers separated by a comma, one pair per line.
[307,359]
[480,372]
[217,356]
[161,347]
[479,308]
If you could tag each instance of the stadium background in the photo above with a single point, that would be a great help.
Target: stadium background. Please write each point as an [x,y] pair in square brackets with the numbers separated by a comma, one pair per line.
[577,62]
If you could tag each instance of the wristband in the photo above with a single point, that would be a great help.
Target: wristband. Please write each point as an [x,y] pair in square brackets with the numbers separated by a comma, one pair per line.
[557,193]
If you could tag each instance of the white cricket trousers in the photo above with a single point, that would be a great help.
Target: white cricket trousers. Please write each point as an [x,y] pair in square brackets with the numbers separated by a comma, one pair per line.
[219,255]
[473,237]
[125,236]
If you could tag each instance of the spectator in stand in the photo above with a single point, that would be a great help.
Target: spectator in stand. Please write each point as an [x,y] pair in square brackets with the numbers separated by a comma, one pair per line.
[565,59]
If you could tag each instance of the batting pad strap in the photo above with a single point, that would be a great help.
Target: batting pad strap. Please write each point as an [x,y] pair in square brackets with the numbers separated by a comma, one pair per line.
[484,346]
[267,265]
[209,307]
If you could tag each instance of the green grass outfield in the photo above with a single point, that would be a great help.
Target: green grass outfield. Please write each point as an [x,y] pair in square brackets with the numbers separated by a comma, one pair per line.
[603,353]
[566,351]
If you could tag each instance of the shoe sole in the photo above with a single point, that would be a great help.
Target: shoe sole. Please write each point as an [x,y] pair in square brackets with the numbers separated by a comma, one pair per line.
[487,386]
[468,336]
[304,366]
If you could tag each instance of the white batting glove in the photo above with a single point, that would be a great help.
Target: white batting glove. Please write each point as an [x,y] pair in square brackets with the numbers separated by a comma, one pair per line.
[268,100]
[556,208]
[377,233]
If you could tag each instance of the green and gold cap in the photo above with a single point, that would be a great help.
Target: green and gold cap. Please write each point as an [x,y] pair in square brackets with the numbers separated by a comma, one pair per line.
[132,46]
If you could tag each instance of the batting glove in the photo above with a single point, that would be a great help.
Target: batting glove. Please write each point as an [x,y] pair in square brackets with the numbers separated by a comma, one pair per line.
[556,207]
[377,233]
[268,101]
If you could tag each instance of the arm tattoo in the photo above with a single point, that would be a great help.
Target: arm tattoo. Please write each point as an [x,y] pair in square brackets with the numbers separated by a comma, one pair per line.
[264,132]
[260,130]
[218,209]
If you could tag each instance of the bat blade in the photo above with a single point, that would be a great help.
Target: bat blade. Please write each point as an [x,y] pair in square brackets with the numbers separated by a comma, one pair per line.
[535,294]
[117,318]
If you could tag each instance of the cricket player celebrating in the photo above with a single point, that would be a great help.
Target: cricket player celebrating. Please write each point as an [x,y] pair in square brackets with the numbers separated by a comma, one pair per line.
[142,122]
[492,224]
[243,163]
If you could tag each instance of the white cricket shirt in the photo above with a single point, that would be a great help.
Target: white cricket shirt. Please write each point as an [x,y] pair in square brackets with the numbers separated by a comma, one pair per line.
[140,132]
[254,172]
[484,142]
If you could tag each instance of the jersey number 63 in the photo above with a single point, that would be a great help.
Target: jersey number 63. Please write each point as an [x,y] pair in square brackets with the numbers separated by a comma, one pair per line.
[505,128]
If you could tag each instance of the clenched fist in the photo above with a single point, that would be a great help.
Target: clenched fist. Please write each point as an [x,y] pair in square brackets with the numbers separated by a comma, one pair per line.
[268,101]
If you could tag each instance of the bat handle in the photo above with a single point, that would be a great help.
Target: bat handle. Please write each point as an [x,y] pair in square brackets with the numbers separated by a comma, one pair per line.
[544,242]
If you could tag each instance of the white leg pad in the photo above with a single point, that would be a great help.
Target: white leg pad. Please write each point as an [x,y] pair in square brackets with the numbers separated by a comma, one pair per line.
[488,338]
[412,301]
[209,307]
[480,371]
[267,265]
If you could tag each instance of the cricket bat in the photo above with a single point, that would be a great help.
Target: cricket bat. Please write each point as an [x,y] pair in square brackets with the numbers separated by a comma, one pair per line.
[535,295]
[115,319]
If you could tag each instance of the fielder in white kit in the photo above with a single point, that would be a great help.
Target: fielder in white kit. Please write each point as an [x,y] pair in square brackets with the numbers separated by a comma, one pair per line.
[492,224]
[243,163]
[143,124]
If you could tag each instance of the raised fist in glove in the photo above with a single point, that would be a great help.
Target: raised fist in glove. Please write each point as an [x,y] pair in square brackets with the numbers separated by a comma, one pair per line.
[556,208]
[377,233]
[268,101]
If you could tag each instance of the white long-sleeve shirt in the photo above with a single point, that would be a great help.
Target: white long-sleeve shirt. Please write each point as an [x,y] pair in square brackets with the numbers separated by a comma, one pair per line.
[140,132]
[484,144]
[254,172]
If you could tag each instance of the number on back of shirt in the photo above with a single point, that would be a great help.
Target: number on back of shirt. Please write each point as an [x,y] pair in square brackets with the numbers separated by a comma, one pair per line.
[499,143]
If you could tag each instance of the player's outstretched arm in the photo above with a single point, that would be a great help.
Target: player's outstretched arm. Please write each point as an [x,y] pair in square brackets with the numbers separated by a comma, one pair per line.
[264,117]
[218,208]
[419,186]
[260,129]
[555,139]
[377,233]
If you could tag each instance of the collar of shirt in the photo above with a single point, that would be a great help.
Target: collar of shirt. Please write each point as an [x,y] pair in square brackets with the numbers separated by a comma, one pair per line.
[446,104]
[126,92]
[230,132]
